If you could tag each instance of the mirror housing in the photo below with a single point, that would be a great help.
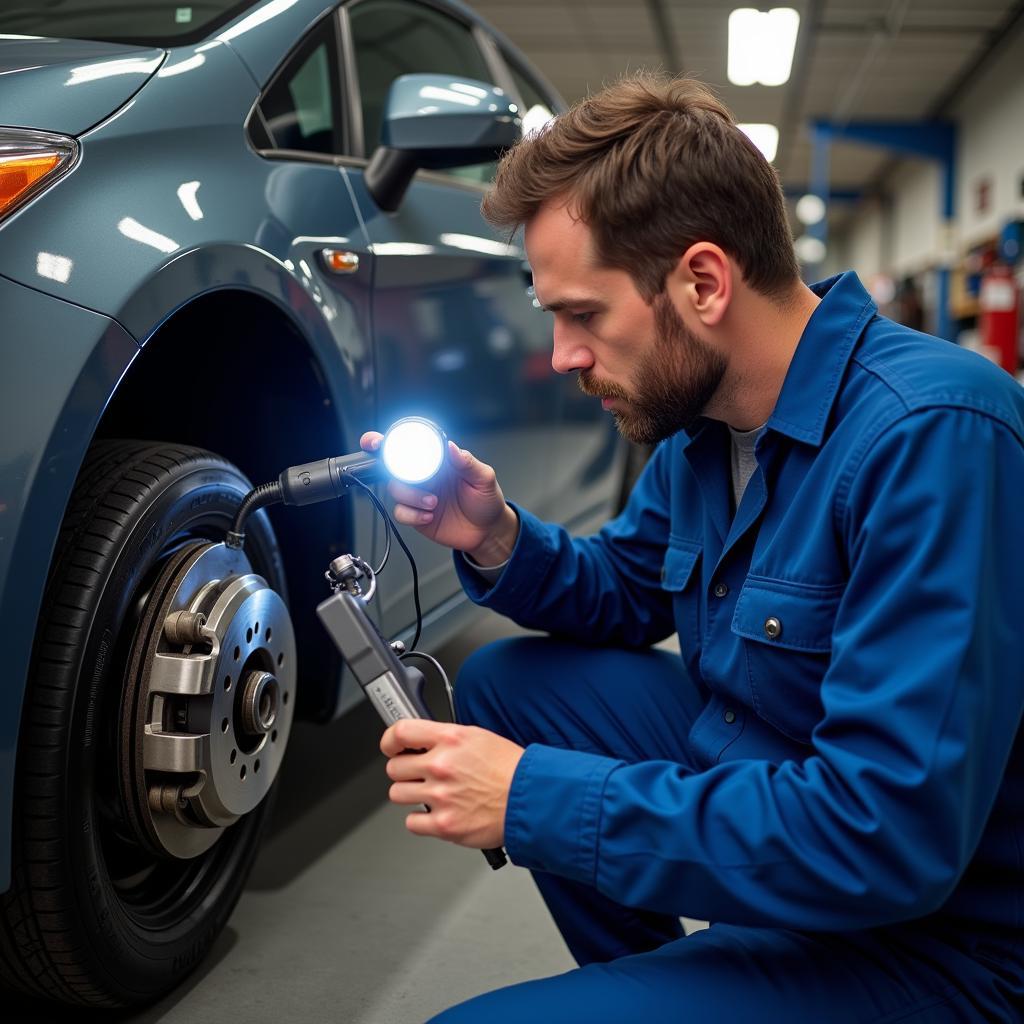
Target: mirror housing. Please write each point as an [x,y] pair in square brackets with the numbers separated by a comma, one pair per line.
[437,122]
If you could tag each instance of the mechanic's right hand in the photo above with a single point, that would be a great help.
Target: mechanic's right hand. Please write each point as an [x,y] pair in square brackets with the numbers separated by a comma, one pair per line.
[464,509]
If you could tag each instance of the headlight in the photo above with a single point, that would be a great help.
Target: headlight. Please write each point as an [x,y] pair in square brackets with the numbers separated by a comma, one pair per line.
[30,162]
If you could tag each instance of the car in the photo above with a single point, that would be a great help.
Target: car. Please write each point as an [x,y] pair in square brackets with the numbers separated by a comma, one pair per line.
[233,236]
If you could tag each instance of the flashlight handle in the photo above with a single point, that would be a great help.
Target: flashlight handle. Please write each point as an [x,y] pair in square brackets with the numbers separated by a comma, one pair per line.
[328,478]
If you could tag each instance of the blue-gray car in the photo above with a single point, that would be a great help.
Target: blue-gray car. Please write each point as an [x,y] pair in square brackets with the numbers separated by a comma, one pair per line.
[233,236]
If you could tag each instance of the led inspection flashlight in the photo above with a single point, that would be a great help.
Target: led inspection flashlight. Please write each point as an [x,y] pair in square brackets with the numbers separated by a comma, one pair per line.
[412,451]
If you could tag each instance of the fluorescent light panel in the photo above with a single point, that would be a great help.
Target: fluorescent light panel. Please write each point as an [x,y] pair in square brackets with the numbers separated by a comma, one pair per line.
[761,45]
[764,136]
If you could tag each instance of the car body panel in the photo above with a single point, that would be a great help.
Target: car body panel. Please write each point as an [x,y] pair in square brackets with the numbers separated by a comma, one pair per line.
[80,355]
[68,85]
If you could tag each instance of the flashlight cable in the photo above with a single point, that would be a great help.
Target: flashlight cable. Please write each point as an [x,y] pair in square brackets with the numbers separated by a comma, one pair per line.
[389,527]
[449,692]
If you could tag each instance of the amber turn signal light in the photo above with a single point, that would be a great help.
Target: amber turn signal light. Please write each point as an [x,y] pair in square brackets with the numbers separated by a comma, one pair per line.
[29,163]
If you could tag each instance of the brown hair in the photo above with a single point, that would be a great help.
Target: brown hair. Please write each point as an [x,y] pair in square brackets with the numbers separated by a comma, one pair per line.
[653,164]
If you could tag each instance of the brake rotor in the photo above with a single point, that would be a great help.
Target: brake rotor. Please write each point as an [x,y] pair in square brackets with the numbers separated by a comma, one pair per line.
[209,700]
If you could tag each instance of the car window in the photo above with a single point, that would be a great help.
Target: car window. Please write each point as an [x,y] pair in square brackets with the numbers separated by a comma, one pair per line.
[395,37]
[300,108]
[151,22]
[537,108]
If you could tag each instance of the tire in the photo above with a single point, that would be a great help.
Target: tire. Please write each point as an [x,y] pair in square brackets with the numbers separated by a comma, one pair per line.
[90,918]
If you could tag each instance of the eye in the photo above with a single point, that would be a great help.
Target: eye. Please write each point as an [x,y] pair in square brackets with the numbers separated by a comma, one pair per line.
[582,318]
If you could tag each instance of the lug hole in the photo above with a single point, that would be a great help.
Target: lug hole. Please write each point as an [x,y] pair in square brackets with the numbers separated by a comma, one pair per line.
[280,659]
[268,634]
[241,773]
[224,726]
[248,636]
[238,653]
[256,629]
[256,766]
[285,696]
[273,736]
[234,756]
[227,683]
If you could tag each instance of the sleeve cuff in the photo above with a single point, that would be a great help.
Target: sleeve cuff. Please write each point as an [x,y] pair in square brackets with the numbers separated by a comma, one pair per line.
[553,818]
[517,579]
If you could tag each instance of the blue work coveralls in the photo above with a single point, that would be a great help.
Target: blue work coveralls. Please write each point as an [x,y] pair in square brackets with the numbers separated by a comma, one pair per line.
[832,773]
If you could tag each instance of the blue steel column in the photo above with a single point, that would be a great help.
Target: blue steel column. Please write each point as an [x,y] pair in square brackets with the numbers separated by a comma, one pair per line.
[933,140]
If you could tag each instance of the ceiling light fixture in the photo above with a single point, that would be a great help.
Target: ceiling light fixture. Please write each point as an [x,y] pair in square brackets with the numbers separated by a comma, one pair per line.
[764,136]
[761,45]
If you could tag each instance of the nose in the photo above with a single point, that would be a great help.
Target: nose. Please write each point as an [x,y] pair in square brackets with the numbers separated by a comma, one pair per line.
[567,353]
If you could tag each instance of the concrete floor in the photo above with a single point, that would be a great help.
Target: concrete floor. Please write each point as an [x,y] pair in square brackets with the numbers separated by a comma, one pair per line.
[348,918]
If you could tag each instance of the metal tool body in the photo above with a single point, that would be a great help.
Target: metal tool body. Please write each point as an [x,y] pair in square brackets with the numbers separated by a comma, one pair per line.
[394,689]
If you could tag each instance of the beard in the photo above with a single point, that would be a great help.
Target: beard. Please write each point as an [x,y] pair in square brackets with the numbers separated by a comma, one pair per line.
[672,383]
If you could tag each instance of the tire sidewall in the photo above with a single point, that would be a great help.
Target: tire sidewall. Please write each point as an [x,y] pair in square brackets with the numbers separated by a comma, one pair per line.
[138,962]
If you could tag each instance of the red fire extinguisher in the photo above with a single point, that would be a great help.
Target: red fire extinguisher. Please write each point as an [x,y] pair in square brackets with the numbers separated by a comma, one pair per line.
[999,302]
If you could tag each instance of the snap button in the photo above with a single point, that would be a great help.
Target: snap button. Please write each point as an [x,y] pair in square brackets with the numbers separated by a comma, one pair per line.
[772,628]
[721,589]
[730,717]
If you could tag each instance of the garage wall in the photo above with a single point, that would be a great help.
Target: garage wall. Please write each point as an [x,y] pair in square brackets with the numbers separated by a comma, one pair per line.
[916,207]
[861,248]
[991,145]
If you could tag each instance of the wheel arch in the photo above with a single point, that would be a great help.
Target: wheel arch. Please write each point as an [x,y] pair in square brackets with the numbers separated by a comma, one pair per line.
[234,371]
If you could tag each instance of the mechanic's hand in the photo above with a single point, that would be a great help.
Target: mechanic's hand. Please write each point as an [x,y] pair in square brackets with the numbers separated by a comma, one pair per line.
[464,510]
[462,773]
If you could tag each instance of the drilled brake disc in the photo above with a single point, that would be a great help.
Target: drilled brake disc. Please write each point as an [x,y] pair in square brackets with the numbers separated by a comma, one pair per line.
[209,702]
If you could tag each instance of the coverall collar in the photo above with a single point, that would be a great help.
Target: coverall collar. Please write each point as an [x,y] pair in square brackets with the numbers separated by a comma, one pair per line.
[822,354]
[819,363]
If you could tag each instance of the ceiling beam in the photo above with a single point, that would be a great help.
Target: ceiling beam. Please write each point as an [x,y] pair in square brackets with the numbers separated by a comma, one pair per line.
[665,37]
[789,120]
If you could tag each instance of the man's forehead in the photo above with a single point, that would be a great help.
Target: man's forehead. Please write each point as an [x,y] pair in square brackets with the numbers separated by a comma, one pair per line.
[561,253]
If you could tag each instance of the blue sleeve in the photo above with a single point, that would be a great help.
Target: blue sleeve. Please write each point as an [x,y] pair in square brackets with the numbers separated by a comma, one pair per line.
[922,701]
[600,589]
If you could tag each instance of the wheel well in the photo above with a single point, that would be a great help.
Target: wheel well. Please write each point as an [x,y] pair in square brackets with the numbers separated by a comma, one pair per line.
[232,373]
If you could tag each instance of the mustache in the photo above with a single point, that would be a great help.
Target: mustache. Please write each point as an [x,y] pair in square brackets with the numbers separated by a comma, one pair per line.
[589,385]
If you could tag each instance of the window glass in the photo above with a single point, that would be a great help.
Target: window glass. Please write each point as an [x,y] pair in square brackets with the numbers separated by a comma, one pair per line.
[537,110]
[299,109]
[394,37]
[154,22]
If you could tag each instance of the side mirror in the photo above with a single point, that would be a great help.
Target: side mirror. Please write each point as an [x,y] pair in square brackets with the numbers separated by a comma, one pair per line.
[437,121]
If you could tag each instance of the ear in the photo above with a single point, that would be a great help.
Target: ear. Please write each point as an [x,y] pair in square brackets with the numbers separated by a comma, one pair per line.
[702,279]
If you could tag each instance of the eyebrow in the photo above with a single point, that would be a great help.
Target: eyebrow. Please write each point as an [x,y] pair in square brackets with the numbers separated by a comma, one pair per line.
[573,303]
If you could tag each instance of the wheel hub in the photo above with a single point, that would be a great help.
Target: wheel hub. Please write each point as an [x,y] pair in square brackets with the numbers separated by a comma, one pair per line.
[209,711]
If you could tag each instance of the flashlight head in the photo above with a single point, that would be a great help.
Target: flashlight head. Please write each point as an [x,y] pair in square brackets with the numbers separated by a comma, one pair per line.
[413,449]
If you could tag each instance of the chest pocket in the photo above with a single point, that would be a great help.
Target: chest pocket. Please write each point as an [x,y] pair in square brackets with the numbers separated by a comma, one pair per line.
[788,632]
[681,578]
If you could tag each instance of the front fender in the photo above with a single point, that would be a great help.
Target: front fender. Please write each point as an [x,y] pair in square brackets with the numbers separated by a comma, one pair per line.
[61,364]
[334,319]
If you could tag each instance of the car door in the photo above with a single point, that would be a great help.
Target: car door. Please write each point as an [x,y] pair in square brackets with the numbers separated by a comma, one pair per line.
[298,127]
[457,336]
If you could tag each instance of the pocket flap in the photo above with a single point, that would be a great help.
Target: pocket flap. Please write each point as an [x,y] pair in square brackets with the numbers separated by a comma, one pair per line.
[678,566]
[783,614]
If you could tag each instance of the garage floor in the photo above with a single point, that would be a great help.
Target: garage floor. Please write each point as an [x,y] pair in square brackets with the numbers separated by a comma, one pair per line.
[349,919]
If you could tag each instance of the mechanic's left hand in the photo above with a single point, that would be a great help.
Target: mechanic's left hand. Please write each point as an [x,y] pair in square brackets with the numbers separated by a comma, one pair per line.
[461,772]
